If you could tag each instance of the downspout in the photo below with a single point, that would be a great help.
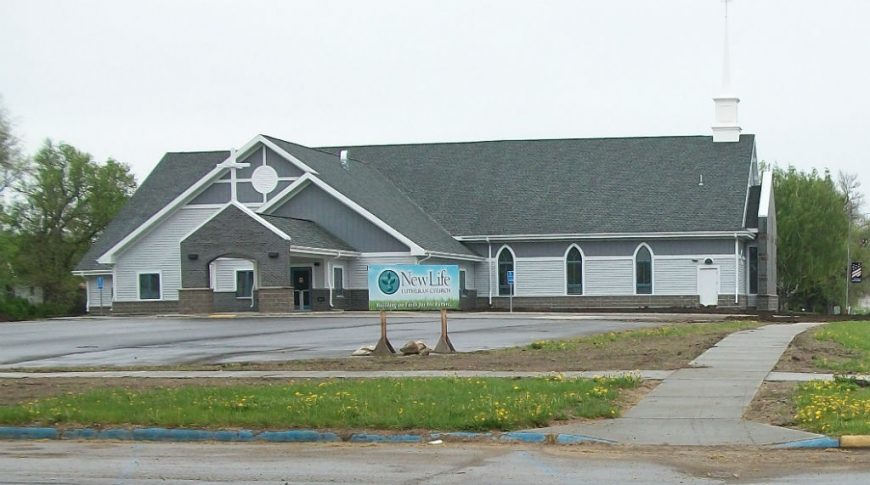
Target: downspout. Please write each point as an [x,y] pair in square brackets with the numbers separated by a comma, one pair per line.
[490,270]
[736,270]
[329,276]
[428,255]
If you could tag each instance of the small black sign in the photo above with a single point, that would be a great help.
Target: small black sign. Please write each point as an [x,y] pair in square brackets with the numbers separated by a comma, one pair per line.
[857,271]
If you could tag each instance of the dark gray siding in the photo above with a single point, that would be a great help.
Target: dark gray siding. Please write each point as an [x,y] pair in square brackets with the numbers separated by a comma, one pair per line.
[218,193]
[313,204]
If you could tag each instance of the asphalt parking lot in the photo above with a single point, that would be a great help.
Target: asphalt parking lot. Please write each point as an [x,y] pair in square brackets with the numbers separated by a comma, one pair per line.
[132,341]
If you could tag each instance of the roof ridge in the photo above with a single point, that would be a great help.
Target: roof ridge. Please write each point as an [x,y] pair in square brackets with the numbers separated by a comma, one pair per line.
[514,140]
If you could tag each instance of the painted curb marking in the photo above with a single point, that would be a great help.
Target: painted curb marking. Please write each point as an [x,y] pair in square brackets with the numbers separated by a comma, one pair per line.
[822,442]
[855,441]
[289,436]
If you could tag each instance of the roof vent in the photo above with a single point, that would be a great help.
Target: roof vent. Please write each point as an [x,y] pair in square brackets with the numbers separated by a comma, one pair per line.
[343,159]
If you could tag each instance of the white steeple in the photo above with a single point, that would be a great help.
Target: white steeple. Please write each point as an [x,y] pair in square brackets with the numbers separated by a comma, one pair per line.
[725,126]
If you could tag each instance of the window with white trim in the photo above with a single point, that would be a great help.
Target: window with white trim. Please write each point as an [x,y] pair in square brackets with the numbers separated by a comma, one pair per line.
[338,281]
[643,271]
[245,283]
[574,272]
[505,264]
[149,286]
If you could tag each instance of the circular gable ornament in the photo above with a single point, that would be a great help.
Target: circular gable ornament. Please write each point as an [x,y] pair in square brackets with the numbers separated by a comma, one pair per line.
[264,179]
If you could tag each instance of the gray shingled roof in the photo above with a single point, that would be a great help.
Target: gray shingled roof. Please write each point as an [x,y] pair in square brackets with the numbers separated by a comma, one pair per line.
[377,194]
[602,185]
[172,176]
[431,192]
[307,233]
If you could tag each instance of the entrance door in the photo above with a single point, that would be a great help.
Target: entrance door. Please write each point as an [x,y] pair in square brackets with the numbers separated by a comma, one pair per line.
[708,285]
[301,278]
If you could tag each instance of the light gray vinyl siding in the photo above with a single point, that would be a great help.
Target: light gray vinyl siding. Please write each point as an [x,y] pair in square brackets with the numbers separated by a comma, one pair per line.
[675,276]
[356,269]
[726,273]
[313,204]
[539,277]
[467,266]
[159,250]
[224,272]
[742,274]
[483,274]
[607,277]
[611,248]
[94,292]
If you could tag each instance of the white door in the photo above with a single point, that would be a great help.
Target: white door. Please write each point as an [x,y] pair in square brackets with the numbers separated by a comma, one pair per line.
[708,285]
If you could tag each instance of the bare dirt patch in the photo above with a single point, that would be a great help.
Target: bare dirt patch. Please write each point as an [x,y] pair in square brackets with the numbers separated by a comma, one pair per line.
[773,404]
[649,352]
[805,347]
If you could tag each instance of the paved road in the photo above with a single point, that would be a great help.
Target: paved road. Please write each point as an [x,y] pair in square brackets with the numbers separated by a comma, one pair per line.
[160,341]
[167,463]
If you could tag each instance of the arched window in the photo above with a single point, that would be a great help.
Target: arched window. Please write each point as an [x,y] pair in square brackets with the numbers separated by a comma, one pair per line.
[643,271]
[574,271]
[505,264]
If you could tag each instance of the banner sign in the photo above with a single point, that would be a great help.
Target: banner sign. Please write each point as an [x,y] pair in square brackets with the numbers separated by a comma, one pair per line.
[413,287]
[857,270]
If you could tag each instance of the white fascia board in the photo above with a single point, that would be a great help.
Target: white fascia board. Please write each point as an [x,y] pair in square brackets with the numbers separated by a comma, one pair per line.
[322,252]
[620,235]
[93,272]
[460,257]
[109,256]
[285,194]
[280,151]
[416,250]
[764,198]
[253,215]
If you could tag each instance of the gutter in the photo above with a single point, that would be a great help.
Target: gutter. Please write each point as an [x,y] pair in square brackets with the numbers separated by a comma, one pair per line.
[616,235]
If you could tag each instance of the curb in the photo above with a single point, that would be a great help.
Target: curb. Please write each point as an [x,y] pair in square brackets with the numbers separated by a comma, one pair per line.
[289,436]
[314,436]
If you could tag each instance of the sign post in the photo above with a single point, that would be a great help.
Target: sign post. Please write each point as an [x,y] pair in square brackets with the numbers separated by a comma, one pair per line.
[384,347]
[510,278]
[413,287]
[100,284]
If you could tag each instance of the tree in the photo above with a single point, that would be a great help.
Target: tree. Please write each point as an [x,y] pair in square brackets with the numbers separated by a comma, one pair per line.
[850,187]
[10,155]
[62,205]
[812,226]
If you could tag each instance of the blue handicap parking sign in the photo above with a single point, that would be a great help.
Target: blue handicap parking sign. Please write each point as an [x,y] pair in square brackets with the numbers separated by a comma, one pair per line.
[100,282]
[510,277]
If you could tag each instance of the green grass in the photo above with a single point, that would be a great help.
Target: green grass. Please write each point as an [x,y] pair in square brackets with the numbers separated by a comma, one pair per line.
[391,404]
[833,407]
[618,339]
[854,336]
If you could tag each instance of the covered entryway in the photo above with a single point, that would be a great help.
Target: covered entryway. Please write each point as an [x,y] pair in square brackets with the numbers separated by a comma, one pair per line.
[301,278]
[708,285]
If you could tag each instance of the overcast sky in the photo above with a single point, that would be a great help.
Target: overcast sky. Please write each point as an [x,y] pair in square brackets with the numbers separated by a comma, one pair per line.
[134,79]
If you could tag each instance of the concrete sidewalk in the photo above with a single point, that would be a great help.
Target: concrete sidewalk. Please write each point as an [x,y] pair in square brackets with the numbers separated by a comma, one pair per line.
[703,405]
